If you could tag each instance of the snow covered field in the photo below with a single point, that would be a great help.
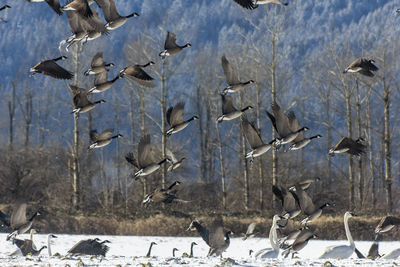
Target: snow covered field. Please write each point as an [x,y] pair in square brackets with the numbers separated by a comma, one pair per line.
[130,250]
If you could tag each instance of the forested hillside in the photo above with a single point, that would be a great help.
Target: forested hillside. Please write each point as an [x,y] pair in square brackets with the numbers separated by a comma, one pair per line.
[295,54]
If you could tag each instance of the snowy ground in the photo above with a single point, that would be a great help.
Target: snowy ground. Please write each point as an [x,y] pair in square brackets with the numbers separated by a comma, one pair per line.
[130,250]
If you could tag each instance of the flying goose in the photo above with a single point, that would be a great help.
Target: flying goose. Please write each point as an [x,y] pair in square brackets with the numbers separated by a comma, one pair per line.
[114,20]
[307,205]
[349,146]
[52,69]
[229,112]
[175,119]
[97,65]
[343,251]
[137,73]
[149,251]
[234,85]
[300,242]
[282,125]
[363,66]
[81,101]
[18,222]
[145,162]
[272,252]
[90,247]
[305,184]
[5,7]
[174,162]
[386,224]
[101,84]
[163,195]
[54,4]
[289,201]
[79,6]
[216,237]
[300,141]
[103,139]
[252,4]
[27,246]
[258,147]
[170,46]
[250,231]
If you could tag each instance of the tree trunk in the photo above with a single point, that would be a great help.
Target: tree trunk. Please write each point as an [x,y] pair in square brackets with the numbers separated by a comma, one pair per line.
[221,162]
[11,114]
[244,160]
[349,125]
[260,163]
[387,151]
[163,123]
[273,94]
[359,165]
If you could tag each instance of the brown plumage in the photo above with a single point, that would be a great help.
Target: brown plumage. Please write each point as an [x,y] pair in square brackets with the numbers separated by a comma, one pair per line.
[81,101]
[175,119]
[52,69]
[252,4]
[97,65]
[54,4]
[363,66]
[136,73]
[90,247]
[111,15]
[170,46]
[79,6]
[102,139]
[386,224]
[164,195]
[348,145]
[18,222]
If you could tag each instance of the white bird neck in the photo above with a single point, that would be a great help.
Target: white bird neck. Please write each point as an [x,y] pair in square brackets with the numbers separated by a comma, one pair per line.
[348,234]
[48,245]
[273,235]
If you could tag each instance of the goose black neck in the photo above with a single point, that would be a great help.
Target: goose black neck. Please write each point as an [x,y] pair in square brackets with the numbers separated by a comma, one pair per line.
[301,129]
[315,136]
[163,161]
[40,250]
[134,14]
[146,65]
[57,59]
[192,118]
[246,108]
[98,102]
[109,64]
[149,252]
[115,136]
[191,249]
[34,215]
[172,185]
[324,206]
[116,78]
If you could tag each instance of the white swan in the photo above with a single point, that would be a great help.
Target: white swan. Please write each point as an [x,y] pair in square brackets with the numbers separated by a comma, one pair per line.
[343,251]
[49,237]
[273,239]
[394,254]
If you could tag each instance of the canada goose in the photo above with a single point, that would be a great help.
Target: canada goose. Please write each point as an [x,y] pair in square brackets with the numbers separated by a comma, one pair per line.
[216,238]
[97,65]
[163,195]
[300,242]
[234,85]
[170,46]
[250,231]
[289,201]
[5,7]
[101,84]
[103,139]
[282,126]
[79,6]
[300,141]
[386,224]
[173,252]
[114,20]
[54,4]
[272,252]
[349,146]
[175,119]
[191,249]
[52,69]
[363,66]
[81,101]
[90,247]
[174,162]
[398,10]
[229,112]
[137,73]
[27,246]
[83,28]
[149,251]
[18,222]
[252,4]
[307,205]
[49,238]
[373,252]
[258,147]
[145,162]
[343,251]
